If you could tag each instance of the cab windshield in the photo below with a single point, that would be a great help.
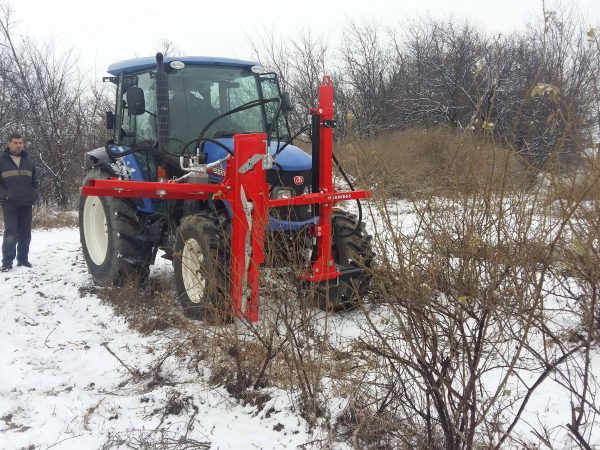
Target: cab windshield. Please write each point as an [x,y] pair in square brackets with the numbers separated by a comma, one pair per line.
[197,94]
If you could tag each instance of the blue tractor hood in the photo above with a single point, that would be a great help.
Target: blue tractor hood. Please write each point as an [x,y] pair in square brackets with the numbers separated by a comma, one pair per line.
[291,159]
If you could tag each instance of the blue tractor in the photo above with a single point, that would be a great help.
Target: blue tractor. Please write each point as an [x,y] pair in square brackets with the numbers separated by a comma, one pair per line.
[162,106]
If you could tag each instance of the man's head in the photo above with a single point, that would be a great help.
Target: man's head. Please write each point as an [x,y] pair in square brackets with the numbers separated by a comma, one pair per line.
[15,144]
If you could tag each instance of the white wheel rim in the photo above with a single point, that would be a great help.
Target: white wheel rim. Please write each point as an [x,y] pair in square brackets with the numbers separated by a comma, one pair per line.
[191,261]
[95,229]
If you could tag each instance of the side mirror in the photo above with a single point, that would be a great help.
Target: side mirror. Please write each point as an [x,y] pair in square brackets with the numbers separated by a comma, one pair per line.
[109,120]
[286,103]
[135,101]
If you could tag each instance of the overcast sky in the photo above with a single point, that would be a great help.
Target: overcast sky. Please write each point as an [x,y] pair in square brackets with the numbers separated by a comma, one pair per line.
[104,31]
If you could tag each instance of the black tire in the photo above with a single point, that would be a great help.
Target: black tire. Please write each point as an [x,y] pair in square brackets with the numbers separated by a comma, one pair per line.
[347,250]
[201,260]
[114,250]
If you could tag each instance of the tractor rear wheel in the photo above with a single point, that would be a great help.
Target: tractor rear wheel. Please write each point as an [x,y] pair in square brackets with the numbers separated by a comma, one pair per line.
[352,250]
[201,262]
[110,233]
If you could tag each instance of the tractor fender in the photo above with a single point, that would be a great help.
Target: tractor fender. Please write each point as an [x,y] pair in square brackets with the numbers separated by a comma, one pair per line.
[99,158]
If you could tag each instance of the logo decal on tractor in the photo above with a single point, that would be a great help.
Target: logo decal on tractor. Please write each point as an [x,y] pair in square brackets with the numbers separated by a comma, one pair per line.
[298,180]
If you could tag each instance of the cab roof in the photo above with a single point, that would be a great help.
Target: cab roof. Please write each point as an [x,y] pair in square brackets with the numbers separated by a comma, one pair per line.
[141,64]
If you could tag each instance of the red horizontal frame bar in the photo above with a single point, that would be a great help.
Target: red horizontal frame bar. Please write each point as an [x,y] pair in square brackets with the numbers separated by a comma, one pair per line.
[307,199]
[164,190]
[153,189]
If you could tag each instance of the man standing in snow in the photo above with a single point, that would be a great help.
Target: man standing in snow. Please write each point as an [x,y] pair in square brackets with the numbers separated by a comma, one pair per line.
[18,193]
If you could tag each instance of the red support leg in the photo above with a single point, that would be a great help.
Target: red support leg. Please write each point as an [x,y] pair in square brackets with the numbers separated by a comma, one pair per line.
[249,191]
[324,267]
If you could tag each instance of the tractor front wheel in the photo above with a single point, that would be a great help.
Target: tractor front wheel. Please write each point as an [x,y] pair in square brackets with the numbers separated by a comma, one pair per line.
[201,264]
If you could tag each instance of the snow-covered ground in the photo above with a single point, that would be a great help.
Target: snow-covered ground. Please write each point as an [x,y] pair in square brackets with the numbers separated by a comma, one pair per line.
[66,381]
[61,388]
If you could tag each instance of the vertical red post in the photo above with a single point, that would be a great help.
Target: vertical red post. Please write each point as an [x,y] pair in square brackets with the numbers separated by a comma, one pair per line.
[249,188]
[324,267]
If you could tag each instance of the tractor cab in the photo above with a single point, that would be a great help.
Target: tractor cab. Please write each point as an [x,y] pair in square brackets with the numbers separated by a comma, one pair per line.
[198,90]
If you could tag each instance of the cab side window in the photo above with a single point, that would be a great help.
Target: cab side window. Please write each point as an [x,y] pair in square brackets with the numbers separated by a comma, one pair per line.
[270,89]
[139,130]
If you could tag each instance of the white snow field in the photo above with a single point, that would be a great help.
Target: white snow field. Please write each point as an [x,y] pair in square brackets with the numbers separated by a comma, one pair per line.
[60,387]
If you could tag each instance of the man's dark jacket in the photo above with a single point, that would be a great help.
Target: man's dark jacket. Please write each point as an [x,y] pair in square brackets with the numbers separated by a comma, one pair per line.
[18,185]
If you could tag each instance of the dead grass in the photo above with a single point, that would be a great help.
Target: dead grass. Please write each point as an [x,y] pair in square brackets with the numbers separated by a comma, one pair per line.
[417,163]
[148,306]
[578,183]
[45,217]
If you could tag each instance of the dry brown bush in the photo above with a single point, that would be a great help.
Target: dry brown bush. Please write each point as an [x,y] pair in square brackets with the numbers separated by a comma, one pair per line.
[575,184]
[481,282]
[45,217]
[147,306]
[421,162]
[48,218]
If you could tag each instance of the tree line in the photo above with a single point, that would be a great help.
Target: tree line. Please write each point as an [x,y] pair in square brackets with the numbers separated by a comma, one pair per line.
[536,91]
[44,97]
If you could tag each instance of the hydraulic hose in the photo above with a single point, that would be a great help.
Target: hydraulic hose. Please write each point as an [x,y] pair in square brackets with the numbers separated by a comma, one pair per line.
[205,139]
[289,141]
[251,104]
[115,155]
[340,168]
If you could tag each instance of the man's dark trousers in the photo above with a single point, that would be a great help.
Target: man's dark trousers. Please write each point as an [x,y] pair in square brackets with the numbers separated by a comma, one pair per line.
[17,233]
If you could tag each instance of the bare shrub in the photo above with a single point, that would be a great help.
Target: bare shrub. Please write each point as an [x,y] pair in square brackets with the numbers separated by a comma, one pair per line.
[46,217]
[287,347]
[473,306]
[575,184]
[579,275]
[159,439]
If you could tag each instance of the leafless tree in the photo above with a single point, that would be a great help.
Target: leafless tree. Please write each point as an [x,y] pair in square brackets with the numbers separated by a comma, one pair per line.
[300,64]
[367,72]
[168,48]
[51,105]
[531,90]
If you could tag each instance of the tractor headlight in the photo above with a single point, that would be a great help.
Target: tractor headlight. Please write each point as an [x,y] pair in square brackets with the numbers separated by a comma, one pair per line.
[282,192]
